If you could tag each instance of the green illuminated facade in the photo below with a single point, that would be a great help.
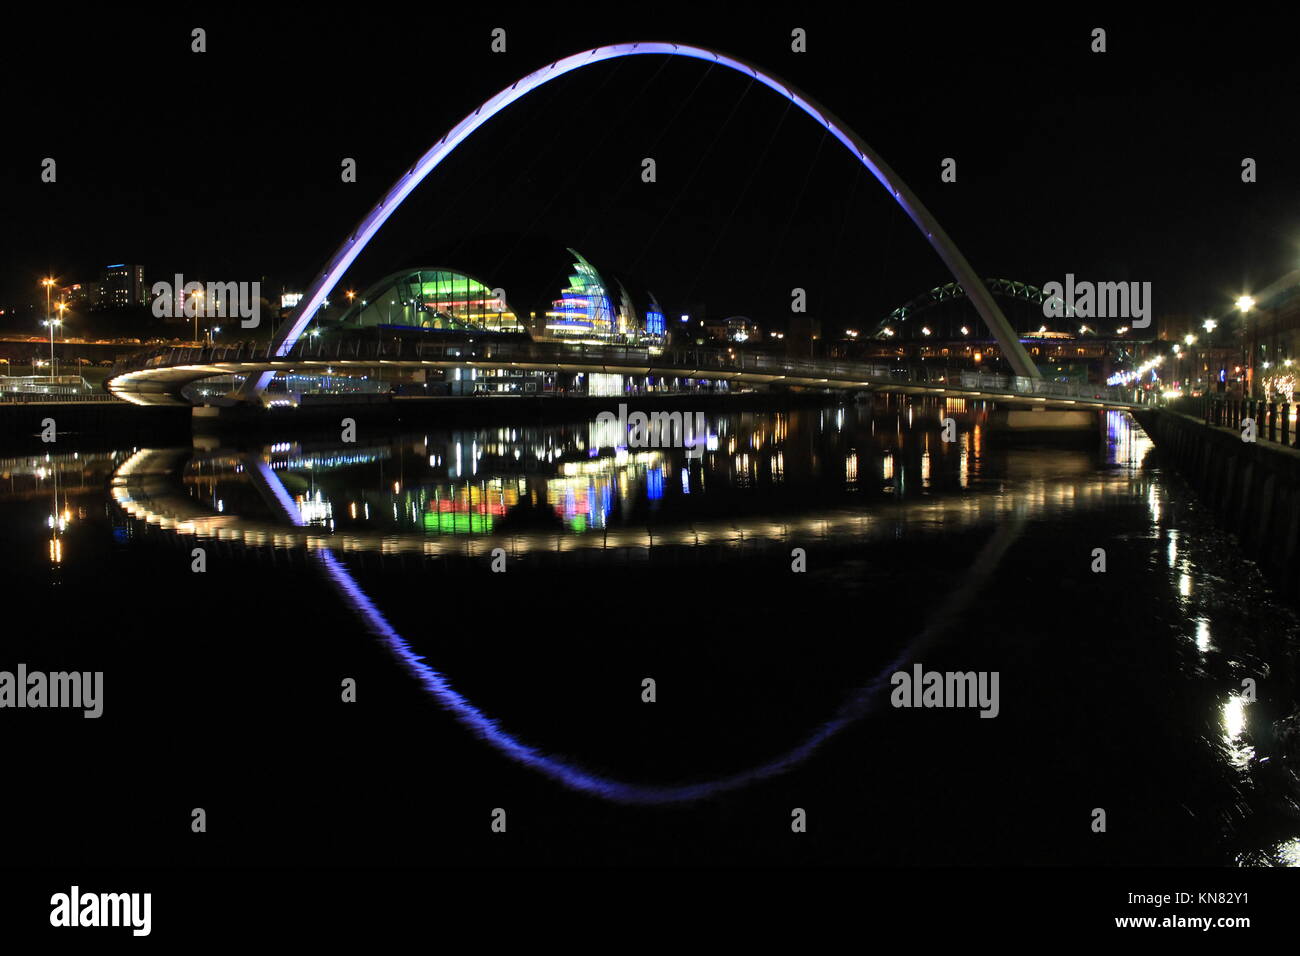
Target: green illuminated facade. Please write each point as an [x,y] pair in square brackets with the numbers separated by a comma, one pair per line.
[433,299]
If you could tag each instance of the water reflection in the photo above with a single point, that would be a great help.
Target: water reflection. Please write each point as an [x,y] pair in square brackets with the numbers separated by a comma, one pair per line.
[762,474]
[854,481]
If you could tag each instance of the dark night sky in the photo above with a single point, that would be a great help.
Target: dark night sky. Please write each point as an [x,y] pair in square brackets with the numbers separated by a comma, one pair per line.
[225,166]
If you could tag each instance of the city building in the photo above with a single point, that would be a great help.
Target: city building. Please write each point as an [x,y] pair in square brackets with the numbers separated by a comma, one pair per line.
[85,295]
[122,285]
[584,310]
[433,299]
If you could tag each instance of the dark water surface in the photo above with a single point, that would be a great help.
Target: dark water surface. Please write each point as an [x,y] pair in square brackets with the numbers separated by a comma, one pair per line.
[522,689]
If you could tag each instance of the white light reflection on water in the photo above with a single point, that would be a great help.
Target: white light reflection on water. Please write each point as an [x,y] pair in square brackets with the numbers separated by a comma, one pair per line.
[1234,728]
[1203,635]
[1288,853]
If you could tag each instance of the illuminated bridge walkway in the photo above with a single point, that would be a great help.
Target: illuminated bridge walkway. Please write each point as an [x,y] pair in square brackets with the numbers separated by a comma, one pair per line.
[157,377]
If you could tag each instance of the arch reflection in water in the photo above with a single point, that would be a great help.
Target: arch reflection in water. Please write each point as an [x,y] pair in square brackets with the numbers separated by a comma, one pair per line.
[143,479]
[609,788]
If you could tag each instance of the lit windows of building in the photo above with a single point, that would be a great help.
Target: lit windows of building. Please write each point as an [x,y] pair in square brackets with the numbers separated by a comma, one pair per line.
[122,285]
[583,310]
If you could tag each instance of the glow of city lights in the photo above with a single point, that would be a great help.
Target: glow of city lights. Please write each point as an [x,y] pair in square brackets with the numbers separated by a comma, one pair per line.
[1126,378]
[1245,303]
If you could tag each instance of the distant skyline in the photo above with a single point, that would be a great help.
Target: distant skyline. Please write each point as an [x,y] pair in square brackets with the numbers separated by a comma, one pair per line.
[225,165]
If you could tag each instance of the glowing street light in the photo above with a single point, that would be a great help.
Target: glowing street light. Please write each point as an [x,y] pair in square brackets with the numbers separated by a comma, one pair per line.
[49,284]
[1209,325]
[1244,304]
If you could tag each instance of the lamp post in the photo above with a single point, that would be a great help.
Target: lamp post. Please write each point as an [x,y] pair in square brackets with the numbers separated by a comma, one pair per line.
[51,323]
[1210,325]
[1244,304]
[197,296]
[48,282]
[63,308]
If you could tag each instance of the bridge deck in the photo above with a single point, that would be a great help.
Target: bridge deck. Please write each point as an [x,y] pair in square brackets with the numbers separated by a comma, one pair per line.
[157,376]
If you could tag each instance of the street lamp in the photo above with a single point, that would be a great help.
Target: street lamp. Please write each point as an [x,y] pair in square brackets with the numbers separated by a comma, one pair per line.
[197,295]
[63,308]
[1244,304]
[51,323]
[49,284]
[1210,325]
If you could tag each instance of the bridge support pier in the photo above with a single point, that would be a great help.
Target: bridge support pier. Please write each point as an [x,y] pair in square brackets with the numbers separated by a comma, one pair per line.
[1041,424]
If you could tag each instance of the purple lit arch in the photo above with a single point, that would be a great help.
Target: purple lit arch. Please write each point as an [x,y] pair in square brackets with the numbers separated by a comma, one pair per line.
[916,211]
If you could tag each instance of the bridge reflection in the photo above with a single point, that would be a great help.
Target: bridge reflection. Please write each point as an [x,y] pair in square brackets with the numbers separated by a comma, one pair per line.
[154,485]
[557,490]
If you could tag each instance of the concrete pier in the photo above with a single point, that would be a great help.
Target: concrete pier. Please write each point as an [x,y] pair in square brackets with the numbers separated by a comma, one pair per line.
[1070,426]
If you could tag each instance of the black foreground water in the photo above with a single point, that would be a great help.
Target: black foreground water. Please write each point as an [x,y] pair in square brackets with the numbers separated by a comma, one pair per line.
[522,689]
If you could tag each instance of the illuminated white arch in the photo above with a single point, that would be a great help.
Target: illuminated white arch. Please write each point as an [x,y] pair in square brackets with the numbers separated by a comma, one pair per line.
[366,229]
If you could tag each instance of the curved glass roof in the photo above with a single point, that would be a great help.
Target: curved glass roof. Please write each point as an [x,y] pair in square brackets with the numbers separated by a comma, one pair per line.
[435,298]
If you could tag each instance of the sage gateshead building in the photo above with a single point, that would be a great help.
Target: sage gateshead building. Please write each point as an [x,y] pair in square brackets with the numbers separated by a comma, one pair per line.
[434,299]
[552,296]
[588,308]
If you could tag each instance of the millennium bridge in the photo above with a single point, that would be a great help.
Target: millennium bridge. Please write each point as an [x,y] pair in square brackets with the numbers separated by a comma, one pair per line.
[157,376]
